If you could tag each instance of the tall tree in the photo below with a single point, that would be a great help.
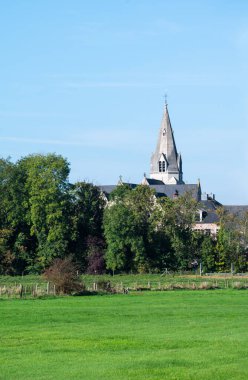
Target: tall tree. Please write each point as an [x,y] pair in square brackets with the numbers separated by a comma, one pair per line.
[86,218]
[47,187]
[122,237]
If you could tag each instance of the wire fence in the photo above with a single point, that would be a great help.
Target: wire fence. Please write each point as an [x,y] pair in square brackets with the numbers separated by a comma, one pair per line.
[48,289]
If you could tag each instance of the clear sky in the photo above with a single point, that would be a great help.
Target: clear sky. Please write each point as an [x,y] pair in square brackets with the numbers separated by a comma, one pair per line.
[86,79]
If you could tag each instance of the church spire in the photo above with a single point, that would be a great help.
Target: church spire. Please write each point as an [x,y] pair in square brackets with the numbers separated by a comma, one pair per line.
[166,163]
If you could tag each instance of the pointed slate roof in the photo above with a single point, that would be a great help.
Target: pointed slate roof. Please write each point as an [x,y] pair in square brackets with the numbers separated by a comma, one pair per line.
[166,146]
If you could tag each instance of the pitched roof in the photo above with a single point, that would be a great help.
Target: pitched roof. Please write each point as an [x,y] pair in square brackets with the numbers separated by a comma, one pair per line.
[160,188]
[107,189]
[210,204]
[152,181]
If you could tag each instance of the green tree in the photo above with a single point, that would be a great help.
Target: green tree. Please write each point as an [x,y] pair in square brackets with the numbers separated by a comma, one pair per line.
[122,236]
[86,218]
[46,186]
[120,192]
[128,229]
[176,219]
[13,206]
[231,247]
[6,254]
[208,253]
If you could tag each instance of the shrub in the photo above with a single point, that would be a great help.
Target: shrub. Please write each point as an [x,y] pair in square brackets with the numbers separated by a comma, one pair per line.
[63,274]
[105,286]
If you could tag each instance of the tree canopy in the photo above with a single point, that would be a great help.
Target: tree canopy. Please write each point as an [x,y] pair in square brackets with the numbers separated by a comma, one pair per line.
[44,217]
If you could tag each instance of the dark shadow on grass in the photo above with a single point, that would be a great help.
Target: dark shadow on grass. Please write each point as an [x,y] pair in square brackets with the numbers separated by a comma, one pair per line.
[88,293]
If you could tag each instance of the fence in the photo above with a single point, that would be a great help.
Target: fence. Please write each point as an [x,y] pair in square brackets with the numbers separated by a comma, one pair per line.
[26,291]
[48,289]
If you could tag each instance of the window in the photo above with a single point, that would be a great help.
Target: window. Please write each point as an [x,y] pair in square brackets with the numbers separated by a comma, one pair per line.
[161,166]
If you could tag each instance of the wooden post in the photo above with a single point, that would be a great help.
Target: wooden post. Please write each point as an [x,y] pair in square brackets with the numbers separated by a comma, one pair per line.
[47,289]
[54,290]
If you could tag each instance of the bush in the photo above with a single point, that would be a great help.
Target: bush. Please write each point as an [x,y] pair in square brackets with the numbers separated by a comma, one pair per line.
[105,286]
[63,274]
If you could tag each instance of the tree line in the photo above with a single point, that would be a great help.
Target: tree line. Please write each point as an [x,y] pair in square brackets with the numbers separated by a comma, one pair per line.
[44,217]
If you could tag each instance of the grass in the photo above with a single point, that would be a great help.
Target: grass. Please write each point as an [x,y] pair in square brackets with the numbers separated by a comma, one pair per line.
[151,335]
[132,280]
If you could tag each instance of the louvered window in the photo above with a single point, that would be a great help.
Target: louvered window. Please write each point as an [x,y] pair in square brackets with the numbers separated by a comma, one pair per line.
[161,166]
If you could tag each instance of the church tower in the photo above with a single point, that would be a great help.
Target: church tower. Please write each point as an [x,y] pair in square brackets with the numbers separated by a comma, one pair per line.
[166,163]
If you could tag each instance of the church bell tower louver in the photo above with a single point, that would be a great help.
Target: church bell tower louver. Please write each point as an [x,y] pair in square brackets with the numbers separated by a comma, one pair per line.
[166,163]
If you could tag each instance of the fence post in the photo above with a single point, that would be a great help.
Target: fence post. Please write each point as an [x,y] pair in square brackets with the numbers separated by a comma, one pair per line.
[21,290]
[48,287]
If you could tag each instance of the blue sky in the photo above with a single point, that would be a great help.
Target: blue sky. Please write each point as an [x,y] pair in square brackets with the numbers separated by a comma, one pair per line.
[86,79]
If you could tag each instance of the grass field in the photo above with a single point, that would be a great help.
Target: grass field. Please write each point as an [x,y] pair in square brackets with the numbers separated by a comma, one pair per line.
[148,335]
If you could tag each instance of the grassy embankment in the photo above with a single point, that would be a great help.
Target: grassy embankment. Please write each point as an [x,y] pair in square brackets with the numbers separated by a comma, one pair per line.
[150,335]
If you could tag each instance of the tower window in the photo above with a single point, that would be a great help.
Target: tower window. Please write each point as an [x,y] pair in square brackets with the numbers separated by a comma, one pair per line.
[161,166]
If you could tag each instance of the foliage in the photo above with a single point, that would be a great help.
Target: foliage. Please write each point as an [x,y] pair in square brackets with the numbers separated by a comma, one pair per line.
[43,217]
[144,233]
[86,217]
[232,242]
[6,256]
[63,274]
[95,255]
[208,254]
[46,185]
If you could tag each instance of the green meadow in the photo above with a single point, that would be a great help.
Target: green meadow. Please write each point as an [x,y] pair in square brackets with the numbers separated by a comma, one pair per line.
[143,335]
